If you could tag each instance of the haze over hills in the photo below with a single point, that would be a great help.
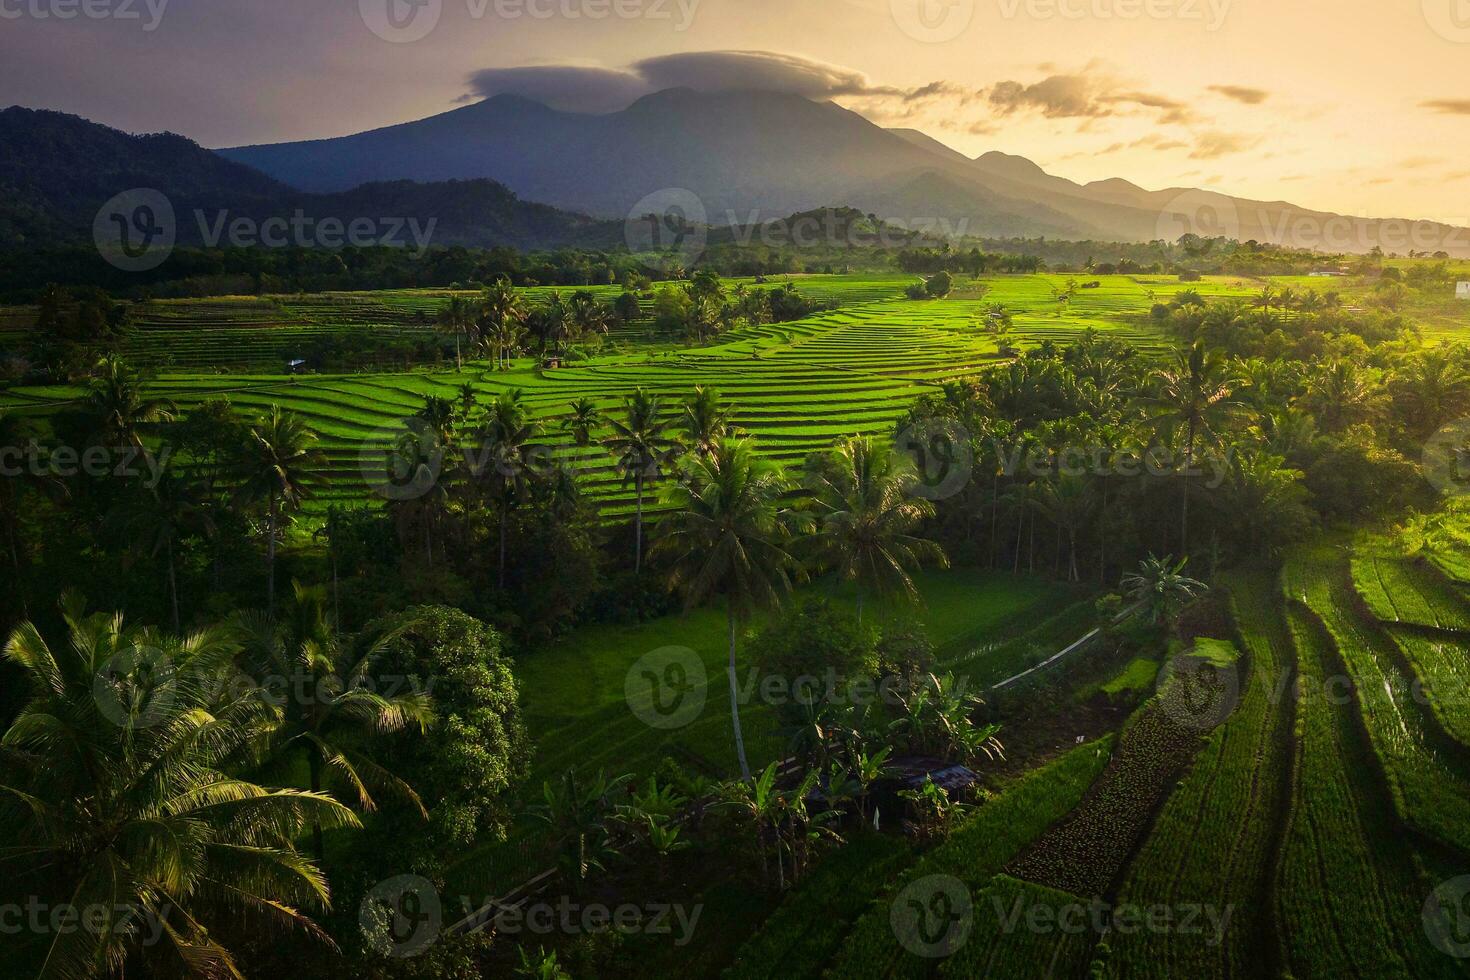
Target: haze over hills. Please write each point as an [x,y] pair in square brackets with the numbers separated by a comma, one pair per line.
[760,154]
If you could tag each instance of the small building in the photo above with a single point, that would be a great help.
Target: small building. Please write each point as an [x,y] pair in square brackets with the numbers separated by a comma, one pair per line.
[296,366]
[1462,291]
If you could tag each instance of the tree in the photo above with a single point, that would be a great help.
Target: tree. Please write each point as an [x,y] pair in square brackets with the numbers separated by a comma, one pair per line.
[158,519]
[1430,389]
[1194,395]
[506,458]
[705,420]
[583,418]
[114,795]
[642,450]
[478,750]
[116,405]
[1161,585]
[457,319]
[321,691]
[501,318]
[1068,504]
[727,535]
[278,464]
[866,518]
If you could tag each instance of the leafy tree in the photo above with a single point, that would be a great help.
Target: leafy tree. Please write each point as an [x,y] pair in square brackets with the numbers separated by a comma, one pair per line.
[584,417]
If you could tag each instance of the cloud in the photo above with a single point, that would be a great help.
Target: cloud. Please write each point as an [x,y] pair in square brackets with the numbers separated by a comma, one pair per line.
[1242,93]
[598,89]
[1214,144]
[1452,107]
[1155,141]
[1092,93]
[572,88]
[1420,162]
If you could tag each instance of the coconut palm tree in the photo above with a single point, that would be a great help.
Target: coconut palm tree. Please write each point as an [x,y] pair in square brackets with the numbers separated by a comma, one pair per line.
[642,450]
[1194,397]
[584,417]
[157,519]
[705,420]
[727,535]
[1068,504]
[1341,393]
[866,517]
[1161,585]
[506,458]
[279,464]
[115,794]
[589,318]
[323,701]
[457,319]
[1432,388]
[501,317]
[116,406]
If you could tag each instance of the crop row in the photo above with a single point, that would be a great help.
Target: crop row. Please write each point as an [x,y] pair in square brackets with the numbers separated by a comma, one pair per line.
[1213,842]
[1348,894]
[1409,591]
[1085,853]
[1427,784]
[972,855]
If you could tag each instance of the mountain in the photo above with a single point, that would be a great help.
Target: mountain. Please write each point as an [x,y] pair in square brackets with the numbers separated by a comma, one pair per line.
[57,171]
[751,156]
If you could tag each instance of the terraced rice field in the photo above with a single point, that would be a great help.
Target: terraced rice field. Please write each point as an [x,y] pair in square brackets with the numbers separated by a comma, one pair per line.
[796,387]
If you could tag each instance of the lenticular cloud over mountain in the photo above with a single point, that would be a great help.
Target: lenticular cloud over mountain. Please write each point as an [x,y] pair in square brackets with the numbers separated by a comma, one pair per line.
[598,89]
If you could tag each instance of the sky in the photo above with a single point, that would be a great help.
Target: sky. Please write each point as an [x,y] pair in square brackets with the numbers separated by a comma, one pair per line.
[1355,106]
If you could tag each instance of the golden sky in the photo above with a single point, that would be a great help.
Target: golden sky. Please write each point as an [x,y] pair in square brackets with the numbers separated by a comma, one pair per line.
[1354,106]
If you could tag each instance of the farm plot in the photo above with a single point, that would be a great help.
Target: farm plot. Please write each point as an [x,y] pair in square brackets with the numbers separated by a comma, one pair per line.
[1348,893]
[972,855]
[1084,854]
[1427,783]
[1214,841]
[1409,590]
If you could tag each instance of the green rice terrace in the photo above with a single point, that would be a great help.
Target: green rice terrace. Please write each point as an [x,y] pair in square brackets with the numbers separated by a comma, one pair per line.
[1276,762]
[797,386]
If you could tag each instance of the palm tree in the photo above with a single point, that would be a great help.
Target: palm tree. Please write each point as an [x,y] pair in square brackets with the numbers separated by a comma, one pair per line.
[331,705]
[585,416]
[1161,585]
[642,451]
[1194,396]
[116,405]
[117,797]
[15,434]
[159,519]
[1341,393]
[727,535]
[501,317]
[279,464]
[457,319]
[1433,387]
[588,316]
[705,420]
[1068,504]
[505,460]
[866,517]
